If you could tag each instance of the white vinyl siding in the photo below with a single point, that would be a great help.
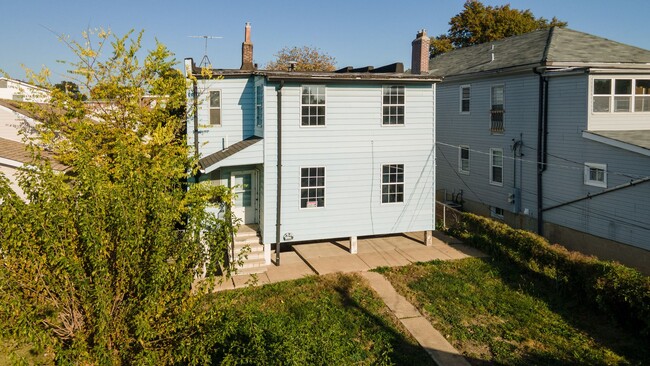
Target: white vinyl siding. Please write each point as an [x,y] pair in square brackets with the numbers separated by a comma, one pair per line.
[463,159]
[496,167]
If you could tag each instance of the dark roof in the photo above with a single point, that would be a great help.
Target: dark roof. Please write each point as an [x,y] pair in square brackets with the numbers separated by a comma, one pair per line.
[17,107]
[546,47]
[640,138]
[231,150]
[17,151]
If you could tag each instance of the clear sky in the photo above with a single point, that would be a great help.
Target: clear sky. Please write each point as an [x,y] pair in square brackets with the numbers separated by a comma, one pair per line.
[356,33]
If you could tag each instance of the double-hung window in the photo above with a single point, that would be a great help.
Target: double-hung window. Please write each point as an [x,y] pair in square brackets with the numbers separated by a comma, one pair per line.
[497,111]
[312,187]
[392,183]
[393,105]
[464,98]
[259,105]
[313,105]
[620,95]
[596,175]
[215,107]
[496,167]
[463,159]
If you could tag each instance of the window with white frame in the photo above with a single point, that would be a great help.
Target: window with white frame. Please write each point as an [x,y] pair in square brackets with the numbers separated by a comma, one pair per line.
[463,159]
[620,95]
[215,107]
[496,167]
[497,111]
[596,175]
[312,187]
[464,98]
[392,183]
[393,105]
[496,212]
[313,105]
[259,106]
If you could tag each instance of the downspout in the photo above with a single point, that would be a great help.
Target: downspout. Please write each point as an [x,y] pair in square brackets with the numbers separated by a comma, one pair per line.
[542,122]
[278,208]
[195,105]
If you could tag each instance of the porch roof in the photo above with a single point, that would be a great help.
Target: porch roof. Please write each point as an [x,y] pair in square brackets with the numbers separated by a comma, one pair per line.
[246,152]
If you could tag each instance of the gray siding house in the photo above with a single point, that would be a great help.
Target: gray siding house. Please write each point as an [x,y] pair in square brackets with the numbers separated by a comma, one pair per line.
[550,131]
[317,155]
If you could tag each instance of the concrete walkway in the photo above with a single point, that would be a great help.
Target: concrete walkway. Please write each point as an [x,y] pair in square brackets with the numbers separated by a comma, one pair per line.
[380,251]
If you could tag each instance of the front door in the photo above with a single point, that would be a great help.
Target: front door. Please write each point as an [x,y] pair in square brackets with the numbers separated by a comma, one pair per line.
[245,190]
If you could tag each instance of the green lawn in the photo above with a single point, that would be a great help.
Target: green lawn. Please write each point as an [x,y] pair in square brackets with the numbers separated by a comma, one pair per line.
[325,320]
[495,313]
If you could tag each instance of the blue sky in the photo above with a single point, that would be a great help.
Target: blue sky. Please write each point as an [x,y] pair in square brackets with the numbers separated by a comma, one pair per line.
[356,33]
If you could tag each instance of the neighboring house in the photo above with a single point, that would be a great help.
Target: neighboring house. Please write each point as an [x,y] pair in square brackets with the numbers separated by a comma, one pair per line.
[553,124]
[355,148]
[15,123]
[17,90]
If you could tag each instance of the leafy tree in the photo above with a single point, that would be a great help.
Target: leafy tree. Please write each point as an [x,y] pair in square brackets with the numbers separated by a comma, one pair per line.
[93,267]
[71,88]
[306,58]
[478,23]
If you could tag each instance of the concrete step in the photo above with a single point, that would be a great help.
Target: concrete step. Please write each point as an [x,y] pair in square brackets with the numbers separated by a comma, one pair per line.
[254,247]
[251,270]
[252,240]
[252,255]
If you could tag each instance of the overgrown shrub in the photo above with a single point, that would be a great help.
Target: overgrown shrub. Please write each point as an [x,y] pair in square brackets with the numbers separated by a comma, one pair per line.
[618,290]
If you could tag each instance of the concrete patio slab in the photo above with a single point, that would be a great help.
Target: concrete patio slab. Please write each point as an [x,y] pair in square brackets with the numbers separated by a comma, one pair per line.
[423,254]
[390,258]
[319,250]
[445,238]
[292,267]
[250,280]
[347,263]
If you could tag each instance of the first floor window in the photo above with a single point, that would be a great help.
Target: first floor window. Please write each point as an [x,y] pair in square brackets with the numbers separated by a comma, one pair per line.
[312,187]
[215,107]
[392,183]
[463,159]
[596,175]
[393,105]
[496,167]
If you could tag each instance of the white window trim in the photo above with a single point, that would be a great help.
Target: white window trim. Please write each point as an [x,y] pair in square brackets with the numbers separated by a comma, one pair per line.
[381,184]
[381,111]
[460,159]
[220,108]
[259,105]
[324,105]
[503,86]
[612,95]
[494,214]
[300,187]
[492,181]
[595,183]
[460,99]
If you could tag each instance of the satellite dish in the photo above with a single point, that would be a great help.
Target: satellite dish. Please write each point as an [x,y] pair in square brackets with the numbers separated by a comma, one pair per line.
[205,61]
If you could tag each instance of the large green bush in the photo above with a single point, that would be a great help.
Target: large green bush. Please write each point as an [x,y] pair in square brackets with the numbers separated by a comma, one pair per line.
[620,291]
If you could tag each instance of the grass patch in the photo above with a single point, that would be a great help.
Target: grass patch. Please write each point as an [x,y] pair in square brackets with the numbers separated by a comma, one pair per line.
[325,320]
[495,312]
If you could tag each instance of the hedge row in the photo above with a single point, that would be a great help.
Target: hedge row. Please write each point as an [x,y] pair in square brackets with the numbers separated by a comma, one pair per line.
[620,291]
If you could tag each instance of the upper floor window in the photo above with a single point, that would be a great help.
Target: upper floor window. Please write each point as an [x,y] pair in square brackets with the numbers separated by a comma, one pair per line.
[596,175]
[259,106]
[464,98]
[393,105]
[312,187]
[313,105]
[496,167]
[463,159]
[497,110]
[215,107]
[392,183]
[621,95]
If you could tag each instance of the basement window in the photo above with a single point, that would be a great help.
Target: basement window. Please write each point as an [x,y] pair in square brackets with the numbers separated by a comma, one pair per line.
[497,212]
[596,175]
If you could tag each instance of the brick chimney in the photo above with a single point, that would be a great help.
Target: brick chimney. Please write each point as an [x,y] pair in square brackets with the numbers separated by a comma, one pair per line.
[420,53]
[247,50]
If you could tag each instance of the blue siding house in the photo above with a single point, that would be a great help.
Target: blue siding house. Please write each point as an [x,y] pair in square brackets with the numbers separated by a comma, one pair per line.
[316,155]
[550,131]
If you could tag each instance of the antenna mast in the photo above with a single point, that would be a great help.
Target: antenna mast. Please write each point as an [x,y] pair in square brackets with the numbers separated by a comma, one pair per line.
[205,61]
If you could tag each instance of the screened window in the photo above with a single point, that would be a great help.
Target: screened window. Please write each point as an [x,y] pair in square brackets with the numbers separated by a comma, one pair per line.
[259,105]
[464,98]
[215,107]
[312,187]
[642,96]
[497,110]
[463,159]
[313,105]
[392,183]
[496,167]
[393,105]
[621,95]
[596,175]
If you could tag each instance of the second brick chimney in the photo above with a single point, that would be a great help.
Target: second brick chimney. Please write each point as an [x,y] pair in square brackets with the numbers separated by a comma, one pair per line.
[420,53]
[247,50]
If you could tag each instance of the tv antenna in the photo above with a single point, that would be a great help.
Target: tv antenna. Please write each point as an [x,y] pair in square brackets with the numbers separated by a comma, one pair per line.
[205,61]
